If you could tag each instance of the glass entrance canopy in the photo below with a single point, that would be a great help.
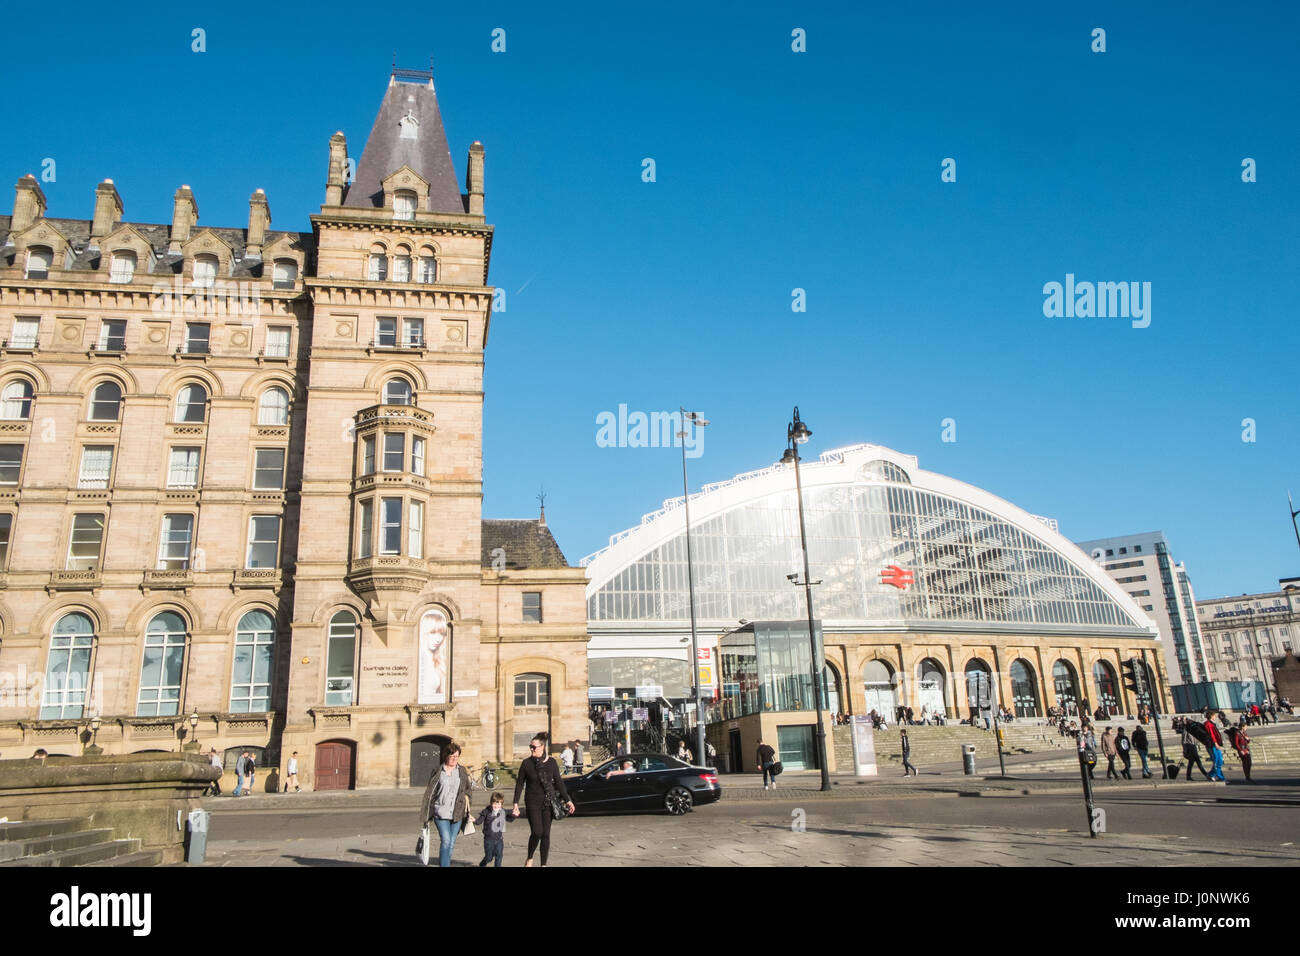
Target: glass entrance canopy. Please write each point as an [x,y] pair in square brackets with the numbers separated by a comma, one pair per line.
[766,666]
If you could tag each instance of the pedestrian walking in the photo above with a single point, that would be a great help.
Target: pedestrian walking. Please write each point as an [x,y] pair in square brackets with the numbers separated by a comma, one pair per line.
[492,821]
[577,756]
[1122,747]
[242,770]
[907,753]
[215,759]
[1216,746]
[540,774]
[1241,743]
[446,801]
[911,717]
[1110,752]
[712,753]
[1192,753]
[766,760]
[1141,745]
[291,774]
[566,757]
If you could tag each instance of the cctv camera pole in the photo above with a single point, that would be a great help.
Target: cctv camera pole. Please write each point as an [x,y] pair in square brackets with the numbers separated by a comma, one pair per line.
[690,586]
[798,433]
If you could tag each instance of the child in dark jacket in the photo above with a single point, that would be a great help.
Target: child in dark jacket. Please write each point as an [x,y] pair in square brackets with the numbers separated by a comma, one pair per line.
[493,823]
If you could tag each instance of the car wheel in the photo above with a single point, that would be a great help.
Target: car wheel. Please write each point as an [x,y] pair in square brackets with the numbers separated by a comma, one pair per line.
[678,801]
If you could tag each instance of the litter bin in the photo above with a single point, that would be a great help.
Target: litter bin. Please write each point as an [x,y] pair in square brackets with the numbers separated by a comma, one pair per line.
[196,842]
[968,759]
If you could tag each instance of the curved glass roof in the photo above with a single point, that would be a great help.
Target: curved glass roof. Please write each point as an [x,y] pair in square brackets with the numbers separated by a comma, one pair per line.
[972,557]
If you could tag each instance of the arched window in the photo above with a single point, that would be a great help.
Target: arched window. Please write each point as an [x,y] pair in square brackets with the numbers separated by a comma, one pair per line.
[250,685]
[1024,688]
[284,274]
[192,404]
[377,271]
[404,204]
[1103,675]
[428,265]
[164,664]
[980,693]
[1066,685]
[339,668]
[532,690]
[39,260]
[831,689]
[878,682]
[67,675]
[123,266]
[402,264]
[931,689]
[273,409]
[205,271]
[16,400]
[106,402]
[397,391]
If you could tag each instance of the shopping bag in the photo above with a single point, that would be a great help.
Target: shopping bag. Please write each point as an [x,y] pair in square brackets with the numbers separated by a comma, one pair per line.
[422,846]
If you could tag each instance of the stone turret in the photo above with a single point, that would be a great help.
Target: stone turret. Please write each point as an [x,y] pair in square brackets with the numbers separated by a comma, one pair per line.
[108,211]
[474,179]
[185,213]
[259,217]
[29,203]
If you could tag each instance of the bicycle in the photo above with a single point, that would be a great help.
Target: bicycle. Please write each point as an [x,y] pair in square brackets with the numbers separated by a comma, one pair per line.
[486,778]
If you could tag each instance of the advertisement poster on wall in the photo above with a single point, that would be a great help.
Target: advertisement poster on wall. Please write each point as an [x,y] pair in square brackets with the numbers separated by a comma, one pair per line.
[435,651]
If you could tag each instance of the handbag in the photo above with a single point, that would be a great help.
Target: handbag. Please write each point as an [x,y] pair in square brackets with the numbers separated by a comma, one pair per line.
[776,769]
[422,846]
[467,827]
[559,809]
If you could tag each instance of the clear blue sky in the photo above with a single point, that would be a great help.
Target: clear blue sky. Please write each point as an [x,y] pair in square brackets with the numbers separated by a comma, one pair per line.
[778,170]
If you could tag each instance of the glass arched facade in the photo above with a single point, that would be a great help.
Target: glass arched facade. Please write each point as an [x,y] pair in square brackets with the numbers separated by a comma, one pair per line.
[968,564]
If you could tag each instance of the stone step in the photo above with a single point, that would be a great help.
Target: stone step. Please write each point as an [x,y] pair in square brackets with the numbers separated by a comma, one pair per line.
[95,855]
[20,830]
[142,858]
[14,850]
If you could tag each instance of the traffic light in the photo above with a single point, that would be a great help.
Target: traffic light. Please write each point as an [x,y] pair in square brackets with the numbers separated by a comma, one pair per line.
[1131,679]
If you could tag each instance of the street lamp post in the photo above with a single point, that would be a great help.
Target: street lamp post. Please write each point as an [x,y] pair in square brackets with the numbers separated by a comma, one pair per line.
[797,433]
[699,422]
[1263,672]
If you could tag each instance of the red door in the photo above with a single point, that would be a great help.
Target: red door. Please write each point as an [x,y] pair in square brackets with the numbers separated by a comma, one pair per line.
[333,766]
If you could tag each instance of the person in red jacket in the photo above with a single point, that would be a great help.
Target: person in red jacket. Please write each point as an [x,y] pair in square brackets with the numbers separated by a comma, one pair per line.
[1216,745]
[1241,743]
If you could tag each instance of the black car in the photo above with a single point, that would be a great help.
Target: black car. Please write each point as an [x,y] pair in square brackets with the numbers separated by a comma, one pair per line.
[643,782]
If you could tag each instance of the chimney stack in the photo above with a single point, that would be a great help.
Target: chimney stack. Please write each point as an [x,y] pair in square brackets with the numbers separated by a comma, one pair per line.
[108,211]
[474,179]
[259,217]
[336,183]
[29,203]
[185,213]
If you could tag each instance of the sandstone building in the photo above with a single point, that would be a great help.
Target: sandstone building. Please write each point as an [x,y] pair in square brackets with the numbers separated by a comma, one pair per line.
[241,481]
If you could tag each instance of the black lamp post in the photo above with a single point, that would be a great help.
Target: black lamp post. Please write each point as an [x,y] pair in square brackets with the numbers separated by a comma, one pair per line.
[797,433]
[700,757]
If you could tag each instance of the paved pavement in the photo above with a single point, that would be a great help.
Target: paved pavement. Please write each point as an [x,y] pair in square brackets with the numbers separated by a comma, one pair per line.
[891,822]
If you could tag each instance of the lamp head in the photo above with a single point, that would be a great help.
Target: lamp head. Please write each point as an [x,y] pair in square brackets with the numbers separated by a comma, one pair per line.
[94,723]
[799,432]
[790,457]
[194,719]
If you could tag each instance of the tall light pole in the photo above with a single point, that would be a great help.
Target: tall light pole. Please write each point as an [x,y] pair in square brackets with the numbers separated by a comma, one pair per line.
[797,433]
[1295,527]
[1263,672]
[699,422]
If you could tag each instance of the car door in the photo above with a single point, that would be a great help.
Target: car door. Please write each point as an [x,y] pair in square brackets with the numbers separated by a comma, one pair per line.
[596,790]
[655,776]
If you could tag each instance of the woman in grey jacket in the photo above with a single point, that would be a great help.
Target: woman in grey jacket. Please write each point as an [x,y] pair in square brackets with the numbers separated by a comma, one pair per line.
[446,801]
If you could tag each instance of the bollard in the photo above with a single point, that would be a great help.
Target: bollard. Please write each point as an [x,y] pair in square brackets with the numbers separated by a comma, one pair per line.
[968,759]
[196,844]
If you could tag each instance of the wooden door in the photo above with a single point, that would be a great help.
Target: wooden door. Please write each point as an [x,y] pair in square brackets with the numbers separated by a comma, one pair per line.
[333,766]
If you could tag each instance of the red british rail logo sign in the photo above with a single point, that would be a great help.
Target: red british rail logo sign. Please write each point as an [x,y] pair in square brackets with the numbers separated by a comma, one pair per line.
[896,576]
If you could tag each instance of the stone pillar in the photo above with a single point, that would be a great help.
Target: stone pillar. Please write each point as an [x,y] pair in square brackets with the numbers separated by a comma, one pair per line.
[474,179]
[185,213]
[29,203]
[336,179]
[108,211]
[259,217]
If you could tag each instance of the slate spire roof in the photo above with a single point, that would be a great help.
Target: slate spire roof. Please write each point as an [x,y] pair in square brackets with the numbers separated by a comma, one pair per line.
[408,132]
[526,544]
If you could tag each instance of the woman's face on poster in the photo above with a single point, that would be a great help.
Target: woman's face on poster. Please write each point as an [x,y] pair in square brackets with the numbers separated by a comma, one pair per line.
[434,631]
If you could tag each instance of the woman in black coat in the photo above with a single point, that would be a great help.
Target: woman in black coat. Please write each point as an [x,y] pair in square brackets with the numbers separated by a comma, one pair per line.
[540,775]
